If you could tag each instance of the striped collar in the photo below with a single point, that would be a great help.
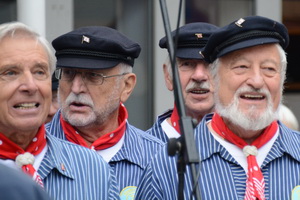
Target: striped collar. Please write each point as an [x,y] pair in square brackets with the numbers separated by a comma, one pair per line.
[164,116]
[286,143]
[133,150]
[57,158]
[157,130]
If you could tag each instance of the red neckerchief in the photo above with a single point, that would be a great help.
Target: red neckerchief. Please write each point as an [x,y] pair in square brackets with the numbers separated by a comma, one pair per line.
[175,119]
[105,141]
[10,150]
[255,180]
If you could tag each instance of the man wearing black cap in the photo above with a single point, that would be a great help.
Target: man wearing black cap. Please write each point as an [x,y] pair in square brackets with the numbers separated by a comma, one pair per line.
[194,76]
[94,68]
[245,152]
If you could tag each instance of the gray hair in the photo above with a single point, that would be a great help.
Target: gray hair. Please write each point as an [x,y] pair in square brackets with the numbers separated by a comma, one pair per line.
[18,29]
[169,66]
[125,68]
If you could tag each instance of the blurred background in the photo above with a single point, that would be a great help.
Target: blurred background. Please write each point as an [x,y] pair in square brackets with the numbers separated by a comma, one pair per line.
[141,21]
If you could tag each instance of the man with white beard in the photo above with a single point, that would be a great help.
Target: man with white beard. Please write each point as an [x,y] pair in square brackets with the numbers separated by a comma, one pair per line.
[95,72]
[245,152]
[195,79]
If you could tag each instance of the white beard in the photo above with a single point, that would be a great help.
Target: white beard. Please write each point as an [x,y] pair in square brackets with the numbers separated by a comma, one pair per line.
[252,119]
[98,115]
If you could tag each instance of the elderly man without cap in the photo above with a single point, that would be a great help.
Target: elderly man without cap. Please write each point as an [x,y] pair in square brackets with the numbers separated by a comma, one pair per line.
[94,68]
[194,77]
[245,152]
[65,170]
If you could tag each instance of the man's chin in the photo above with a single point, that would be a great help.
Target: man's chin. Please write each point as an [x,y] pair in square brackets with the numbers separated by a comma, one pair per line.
[255,122]
[252,120]
[77,118]
[78,122]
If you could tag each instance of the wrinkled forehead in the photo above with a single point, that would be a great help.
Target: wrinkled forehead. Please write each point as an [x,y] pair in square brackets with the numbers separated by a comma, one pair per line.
[270,51]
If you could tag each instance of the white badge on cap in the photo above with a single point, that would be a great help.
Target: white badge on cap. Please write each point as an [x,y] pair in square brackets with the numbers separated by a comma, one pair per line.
[240,22]
[85,39]
[199,35]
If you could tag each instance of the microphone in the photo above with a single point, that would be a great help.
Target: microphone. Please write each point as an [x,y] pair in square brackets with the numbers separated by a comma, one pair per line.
[174,146]
[187,154]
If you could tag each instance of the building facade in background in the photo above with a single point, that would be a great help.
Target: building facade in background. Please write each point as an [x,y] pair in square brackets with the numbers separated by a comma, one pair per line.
[142,22]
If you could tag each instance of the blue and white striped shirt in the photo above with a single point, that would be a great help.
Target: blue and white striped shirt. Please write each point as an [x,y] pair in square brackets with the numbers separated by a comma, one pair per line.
[72,172]
[130,161]
[156,130]
[221,176]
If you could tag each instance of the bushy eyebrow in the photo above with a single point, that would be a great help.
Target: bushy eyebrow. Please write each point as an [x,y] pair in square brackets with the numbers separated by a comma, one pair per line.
[272,61]
[16,66]
[9,67]
[41,65]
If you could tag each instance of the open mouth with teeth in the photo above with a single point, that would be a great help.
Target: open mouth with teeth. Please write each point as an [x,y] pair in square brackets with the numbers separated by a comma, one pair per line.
[199,91]
[253,97]
[26,105]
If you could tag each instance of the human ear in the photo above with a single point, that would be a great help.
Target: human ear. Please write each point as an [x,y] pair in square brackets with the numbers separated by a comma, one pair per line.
[129,82]
[167,76]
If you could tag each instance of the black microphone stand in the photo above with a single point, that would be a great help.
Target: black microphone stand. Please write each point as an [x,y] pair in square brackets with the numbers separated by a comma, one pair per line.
[185,145]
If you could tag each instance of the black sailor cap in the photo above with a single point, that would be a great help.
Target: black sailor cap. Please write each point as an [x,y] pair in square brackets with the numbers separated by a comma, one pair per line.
[192,38]
[245,32]
[94,47]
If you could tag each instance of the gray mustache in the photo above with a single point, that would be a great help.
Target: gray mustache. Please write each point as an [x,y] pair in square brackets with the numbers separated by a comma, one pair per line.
[196,85]
[80,98]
